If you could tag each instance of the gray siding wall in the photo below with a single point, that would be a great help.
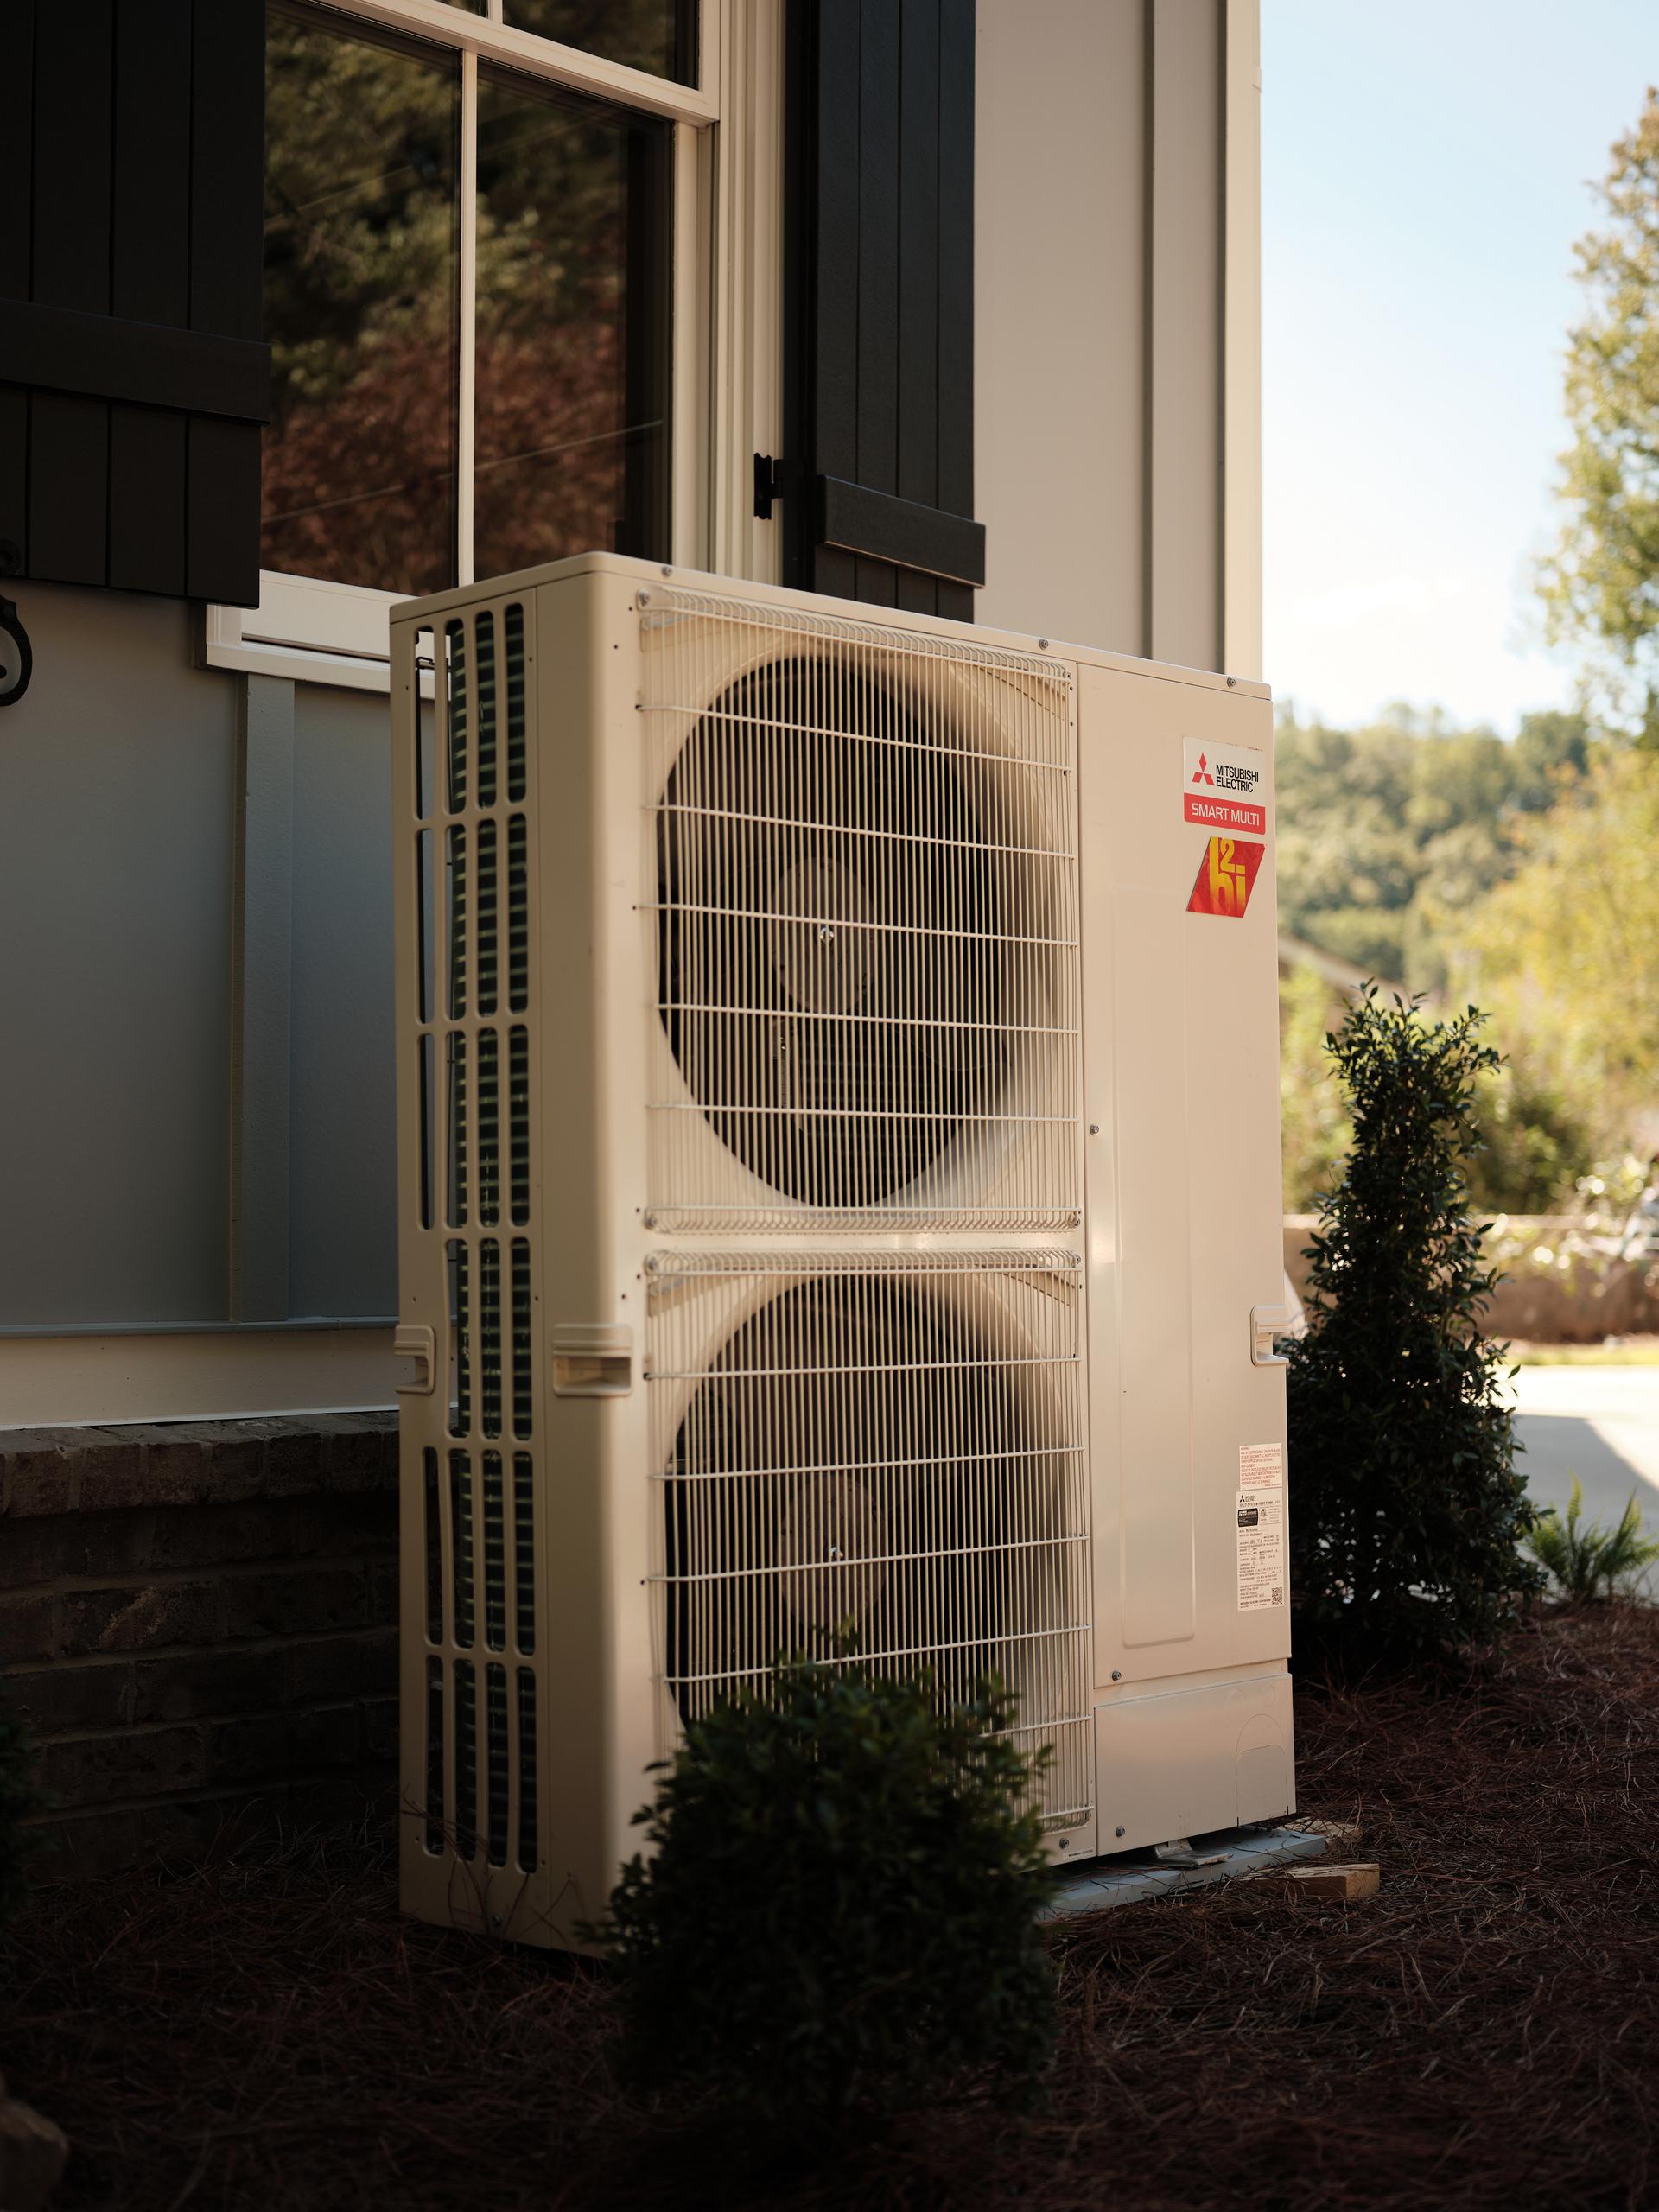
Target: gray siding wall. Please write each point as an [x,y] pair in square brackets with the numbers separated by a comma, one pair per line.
[117,773]
[342,1163]
[121,909]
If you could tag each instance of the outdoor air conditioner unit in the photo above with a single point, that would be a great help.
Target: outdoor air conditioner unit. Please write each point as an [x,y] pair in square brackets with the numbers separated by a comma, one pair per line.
[839,1179]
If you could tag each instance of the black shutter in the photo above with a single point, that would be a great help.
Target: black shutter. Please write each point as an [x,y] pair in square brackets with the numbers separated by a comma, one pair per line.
[134,378]
[878,480]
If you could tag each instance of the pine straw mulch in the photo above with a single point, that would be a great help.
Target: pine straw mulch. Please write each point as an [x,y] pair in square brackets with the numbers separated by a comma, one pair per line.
[1483,2033]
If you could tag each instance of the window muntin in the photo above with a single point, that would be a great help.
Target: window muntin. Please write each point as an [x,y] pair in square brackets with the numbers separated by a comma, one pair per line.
[371,328]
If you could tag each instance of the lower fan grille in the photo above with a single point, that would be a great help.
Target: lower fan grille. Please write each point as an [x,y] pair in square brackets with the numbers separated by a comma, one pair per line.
[894,1447]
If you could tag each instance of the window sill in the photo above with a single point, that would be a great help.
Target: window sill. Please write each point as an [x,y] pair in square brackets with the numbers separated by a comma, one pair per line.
[306,631]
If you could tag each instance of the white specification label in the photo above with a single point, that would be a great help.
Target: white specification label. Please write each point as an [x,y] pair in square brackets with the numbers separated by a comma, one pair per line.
[1261,1527]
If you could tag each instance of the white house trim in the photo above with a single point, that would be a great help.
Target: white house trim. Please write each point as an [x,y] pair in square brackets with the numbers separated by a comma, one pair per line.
[1240,481]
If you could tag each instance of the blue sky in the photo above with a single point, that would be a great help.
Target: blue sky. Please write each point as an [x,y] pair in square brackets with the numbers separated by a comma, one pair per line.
[1426,172]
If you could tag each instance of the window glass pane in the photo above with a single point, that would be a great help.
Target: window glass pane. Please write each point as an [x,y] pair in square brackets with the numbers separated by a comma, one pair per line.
[571,367]
[362,206]
[660,35]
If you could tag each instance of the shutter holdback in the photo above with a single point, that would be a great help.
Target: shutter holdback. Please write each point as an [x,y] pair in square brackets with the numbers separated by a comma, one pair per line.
[16,659]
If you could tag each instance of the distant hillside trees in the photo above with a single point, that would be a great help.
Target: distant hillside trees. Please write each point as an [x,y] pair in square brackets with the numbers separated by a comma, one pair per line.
[1393,842]
[1388,835]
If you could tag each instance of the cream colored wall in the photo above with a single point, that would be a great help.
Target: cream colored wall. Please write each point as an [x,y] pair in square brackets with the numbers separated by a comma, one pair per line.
[1117,399]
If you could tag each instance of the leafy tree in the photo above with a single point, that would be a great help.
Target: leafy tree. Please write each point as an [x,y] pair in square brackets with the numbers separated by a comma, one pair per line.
[1601,584]
[841,1905]
[1393,841]
[1408,1509]
[1534,1143]
[1389,836]
[1566,952]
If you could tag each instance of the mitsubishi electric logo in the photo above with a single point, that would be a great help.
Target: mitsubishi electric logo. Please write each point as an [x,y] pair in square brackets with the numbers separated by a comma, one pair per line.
[1226,787]
[1229,776]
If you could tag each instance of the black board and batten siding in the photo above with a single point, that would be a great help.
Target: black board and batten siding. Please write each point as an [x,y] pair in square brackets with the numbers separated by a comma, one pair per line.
[878,486]
[133,377]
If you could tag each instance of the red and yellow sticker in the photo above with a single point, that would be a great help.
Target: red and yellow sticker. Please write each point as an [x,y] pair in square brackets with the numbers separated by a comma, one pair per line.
[1226,876]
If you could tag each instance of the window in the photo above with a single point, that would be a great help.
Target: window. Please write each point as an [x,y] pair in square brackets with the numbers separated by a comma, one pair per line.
[525,260]
[466,296]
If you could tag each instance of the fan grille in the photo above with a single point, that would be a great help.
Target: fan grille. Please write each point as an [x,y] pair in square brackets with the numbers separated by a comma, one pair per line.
[897,1446]
[865,925]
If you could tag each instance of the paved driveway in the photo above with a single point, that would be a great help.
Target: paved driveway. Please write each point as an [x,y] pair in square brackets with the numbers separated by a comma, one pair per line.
[1601,1423]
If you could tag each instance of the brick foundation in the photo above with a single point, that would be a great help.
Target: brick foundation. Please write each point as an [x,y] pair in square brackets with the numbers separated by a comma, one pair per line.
[198,1622]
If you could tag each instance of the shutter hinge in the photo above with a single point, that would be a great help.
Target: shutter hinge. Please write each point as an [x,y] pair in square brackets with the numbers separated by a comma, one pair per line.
[773,481]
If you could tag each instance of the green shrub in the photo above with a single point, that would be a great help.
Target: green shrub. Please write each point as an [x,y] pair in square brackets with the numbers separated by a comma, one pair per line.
[1534,1146]
[1407,1510]
[840,1908]
[18,1796]
[1593,1563]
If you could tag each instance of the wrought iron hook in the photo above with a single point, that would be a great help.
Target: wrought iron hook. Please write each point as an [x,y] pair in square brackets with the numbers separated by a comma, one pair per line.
[17,666]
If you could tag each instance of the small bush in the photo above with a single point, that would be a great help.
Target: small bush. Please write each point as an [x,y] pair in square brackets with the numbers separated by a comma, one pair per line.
[18,1796]
[840,1908]
[1407,1511]
[1591,1563]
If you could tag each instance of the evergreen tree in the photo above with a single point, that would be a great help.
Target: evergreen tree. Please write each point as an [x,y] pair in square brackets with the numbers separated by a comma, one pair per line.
[1407,1511]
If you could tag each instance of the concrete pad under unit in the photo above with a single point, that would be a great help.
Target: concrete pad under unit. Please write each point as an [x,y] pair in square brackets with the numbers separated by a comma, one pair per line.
[1130,1876]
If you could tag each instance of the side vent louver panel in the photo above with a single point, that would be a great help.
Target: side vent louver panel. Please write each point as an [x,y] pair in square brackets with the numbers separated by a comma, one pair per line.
[470,787]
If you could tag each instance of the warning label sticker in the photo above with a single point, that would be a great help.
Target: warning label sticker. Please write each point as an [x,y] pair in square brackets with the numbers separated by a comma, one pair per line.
[1226,875]
[1262,1583]
[1224,787]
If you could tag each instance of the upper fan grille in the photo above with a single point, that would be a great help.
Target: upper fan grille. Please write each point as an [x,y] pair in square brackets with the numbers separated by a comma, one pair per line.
[866,925]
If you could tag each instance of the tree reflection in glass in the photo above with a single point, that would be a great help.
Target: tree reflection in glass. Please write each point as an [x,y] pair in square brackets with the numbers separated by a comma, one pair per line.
[570,366]
[362,140]
[660,35]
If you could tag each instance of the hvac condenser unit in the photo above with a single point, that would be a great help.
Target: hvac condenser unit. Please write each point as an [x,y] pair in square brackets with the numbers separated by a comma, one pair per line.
[838,1109]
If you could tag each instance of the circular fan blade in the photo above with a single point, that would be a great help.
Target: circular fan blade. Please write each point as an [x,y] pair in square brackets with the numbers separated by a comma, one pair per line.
[855,1459]
[834,978]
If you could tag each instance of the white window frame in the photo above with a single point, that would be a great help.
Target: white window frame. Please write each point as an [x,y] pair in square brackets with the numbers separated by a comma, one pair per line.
[724,277]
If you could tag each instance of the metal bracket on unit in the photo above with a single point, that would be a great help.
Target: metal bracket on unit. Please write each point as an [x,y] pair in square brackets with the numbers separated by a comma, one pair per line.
[414,1340]
[1268,1324]
[592,1359]
[1178,1852]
